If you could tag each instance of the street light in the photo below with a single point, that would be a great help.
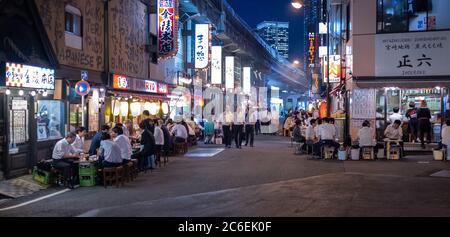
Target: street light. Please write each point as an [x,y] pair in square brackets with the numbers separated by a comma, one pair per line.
[297,4]
[296,62]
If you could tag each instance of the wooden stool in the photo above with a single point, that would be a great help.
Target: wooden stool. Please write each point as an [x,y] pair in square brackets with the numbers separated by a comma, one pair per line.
[181,148]
[328,152]
[113,174]
[135,170]
[367,153]
[128,172]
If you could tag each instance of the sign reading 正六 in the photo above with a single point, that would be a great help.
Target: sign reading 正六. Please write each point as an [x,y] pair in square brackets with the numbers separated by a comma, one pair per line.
[412,54]
[201,45]
[167,22]
[25,76]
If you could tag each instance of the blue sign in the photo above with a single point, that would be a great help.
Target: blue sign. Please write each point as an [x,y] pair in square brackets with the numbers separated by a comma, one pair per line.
[84,75]
[82,88]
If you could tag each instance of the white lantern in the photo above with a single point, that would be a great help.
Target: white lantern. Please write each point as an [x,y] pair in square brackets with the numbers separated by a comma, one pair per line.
[165,108]
[124,108]
[147,106]
[153,109]
[116,108]
[135,109]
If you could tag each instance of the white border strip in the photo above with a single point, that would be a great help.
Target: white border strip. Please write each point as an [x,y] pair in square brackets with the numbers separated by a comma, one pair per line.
[34,200]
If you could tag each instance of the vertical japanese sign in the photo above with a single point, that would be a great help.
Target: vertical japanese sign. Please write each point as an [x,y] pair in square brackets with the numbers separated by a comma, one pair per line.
[412,54]
[312,48]
[229,72]
[216,65]
[335,69]
[201,45]
[167,22]
[247,77]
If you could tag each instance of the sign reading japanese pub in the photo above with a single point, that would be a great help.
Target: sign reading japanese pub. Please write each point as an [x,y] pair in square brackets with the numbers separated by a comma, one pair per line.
[25,76]
[201,45]
[167,27]
[134,84]
[412,54]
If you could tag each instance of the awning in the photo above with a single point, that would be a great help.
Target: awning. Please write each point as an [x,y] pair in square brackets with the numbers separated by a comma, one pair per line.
[142,95]
[403,83]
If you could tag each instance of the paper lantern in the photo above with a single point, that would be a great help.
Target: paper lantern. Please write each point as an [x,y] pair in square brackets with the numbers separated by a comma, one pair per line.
[153,108]
[165,108]
[147,106]
[135,108]
[116,109]
[124,108]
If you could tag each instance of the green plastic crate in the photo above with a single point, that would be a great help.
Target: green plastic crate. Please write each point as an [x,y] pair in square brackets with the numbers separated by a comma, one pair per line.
[87,169]
[87,180]
[42,176]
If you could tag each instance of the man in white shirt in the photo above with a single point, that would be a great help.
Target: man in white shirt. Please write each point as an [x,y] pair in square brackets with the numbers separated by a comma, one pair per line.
[366,135]
[123,142]
[395,116]
[180,133]
[78,145]
[445,133]
[110,152]
[394,131]
[327,134]
[63,156]
[310,133]
[159,139]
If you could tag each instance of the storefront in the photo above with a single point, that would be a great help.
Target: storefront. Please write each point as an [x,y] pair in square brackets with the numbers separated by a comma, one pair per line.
[128,97]
[32,117]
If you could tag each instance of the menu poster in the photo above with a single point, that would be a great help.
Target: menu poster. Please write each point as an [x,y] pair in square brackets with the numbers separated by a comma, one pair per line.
[41,131]
[363,104]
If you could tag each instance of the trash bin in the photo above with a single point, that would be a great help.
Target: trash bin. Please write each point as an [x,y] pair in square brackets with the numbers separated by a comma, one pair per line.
[438,154]
[342,154]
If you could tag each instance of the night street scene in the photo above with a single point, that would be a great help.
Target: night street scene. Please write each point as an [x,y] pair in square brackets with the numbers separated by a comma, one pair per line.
[224,108]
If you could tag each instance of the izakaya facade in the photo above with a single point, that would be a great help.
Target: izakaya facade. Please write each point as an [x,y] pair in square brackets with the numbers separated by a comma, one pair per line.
[385,54]
[106,61]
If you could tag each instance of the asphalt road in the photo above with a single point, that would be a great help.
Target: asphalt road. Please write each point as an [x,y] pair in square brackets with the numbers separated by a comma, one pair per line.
[265,180]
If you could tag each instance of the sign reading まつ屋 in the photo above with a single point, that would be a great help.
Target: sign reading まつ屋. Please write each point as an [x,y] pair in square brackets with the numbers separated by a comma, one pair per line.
[25,76]
[201,45]
[412,54]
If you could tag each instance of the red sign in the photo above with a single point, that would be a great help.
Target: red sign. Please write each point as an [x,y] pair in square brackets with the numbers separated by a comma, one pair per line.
[163,88]
[135,84]
[151,86]
[120,82]
[167,21]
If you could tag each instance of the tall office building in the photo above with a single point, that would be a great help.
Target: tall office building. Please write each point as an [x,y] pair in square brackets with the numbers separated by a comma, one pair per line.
[276,34]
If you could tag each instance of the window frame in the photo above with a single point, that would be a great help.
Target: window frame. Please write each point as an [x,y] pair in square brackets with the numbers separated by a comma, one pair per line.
[75,14]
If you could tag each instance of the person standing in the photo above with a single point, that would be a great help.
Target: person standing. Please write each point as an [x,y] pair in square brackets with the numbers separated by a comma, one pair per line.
[413,123]
[159,139]
[238,126]
[395,116]
[226,127]
[424,116]
[250,128]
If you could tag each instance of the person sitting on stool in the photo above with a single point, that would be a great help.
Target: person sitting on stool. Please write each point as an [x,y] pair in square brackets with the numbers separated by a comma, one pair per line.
[327,134]
[110,153]
[394,132]
[445,134]
[366,137]
[64,156]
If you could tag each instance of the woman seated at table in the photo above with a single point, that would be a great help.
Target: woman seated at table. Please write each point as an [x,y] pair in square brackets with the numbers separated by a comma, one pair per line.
[109,152]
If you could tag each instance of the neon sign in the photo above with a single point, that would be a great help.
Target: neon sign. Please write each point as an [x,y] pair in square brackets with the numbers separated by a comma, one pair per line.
[167,26]
[25,76]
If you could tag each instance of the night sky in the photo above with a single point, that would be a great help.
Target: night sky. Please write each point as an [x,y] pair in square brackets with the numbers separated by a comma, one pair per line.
[256,11]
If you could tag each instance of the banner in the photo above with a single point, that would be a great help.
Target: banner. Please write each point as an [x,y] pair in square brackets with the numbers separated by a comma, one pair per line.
[247,80]
[335,69]
[216,65]
[229,72]
[201,45]
[167,28]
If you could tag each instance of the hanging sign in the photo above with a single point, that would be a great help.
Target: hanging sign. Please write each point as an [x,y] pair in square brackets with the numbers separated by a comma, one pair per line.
[134,84]
[201,45]
[216,65]
[247,82]
[335,69]
[25,76]
[84,75]
[167,27]
[312,48]
[229,72]
[82,88]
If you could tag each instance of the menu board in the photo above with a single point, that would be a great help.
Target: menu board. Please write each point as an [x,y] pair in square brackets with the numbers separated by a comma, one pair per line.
[363,104]
[24,76]
[18,122]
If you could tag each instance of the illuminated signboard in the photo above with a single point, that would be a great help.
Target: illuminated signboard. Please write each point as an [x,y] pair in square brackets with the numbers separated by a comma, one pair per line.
[216,65]
[312,48]
[24,76]
[323,51]
[335,69]
[134,84]
[167,27]
[323,28]
[247,83]
[229,72]
[201,45]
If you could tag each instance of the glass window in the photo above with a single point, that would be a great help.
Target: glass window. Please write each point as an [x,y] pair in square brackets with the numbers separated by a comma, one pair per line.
[50,119]
[412,15]
[73,20]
